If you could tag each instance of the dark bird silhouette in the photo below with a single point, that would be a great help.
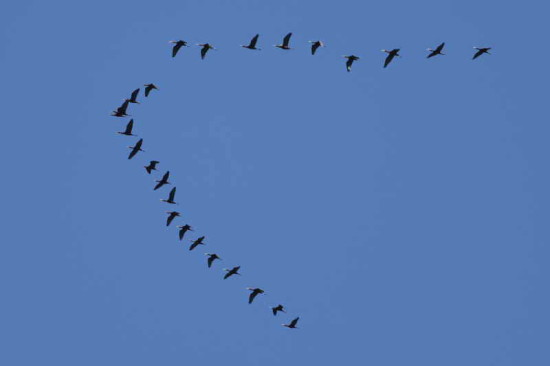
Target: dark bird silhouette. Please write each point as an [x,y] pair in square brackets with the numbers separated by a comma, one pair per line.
[292,324]
[205,48]
[183,230]
[177,45]
[211,258]
[252,44]
[133,97]
[254,293]
[390,56]
[171,196]
[149,87]
[135,148]
[286,41]
[315,45]
[163,181]
[128,130]
[199,241]
[152,166]
[481,51]
[277,308]
[350,60]
[121,111]
[231,272]
[437,51]
[171,216]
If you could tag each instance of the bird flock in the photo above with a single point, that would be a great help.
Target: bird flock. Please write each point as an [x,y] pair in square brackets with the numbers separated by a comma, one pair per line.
[121,111]
[315,45]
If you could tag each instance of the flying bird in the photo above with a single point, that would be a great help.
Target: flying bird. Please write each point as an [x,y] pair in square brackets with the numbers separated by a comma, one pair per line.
[277,308]
[163,181]
[252,44]
[211,258]
[199,241]
[171,196]
[231,272]
[350,60]
[254,293]
[128,130]
[292,324]
[437,51]
[481,51]
[315,45]
[183,230]
[149,87]
[133,97]
[390,56]
[177,45]
[286,41]
[152,166]
[121,111]
[135,148]
[171,216]
[205,48]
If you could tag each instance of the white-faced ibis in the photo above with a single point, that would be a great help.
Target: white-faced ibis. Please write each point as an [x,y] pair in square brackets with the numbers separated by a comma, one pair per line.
[292,324]
[135,148]
[437,50]
[152,166]
[252,44]
[211,258]
[133,97]
[183,230]
[315,45]
[149,87]
[196,242]
[177,45]
[171,216]
[390,56]
[350,60]
[121,111]
[128,130]
[278,308]
[285,44]
[205,48]
[254,293]
[231,272]
[481,51]
[171,196]
[162,181]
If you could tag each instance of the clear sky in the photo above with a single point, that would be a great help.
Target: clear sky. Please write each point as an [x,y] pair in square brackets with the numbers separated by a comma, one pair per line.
[402,213]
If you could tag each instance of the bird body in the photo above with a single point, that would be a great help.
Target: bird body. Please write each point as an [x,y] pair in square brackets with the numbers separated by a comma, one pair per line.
[197,242]
[149,87]
[252,44]
[128,130]
[315,45]
[390,56]
[292,324]
[152,166]
[350,60]
[171,216]
[278,308]
[255,292]
[285,44]
[171,196]
[481,51]
[135,149]
[163,181]
[121,111]
[437,51]
[183,230]
[205,48]
[177,45]
[211,258]
[231,272]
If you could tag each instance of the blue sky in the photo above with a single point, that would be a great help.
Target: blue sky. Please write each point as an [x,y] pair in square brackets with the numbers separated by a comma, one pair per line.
[401,212]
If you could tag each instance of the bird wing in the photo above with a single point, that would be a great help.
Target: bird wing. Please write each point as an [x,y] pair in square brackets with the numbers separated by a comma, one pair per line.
[204,50]
[159,184]
[274,310]
[172,194]
[388,59]
[148,90]
[170,219]
[176,48]
[314,47]
[166,176]
[253,41]
[181,233]
[349,62]
[440,47]
[134,95]
[478,53]
[129,127]
[210,260]
[123,107]
[294,322]
[286,40]
[133,152]
[252,296]
[227,275]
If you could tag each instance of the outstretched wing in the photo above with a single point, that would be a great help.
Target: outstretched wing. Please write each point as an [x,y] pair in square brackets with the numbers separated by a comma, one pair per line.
[349,62]
[172,195]
[294,322]
[134,95]
[252,296]
[176,48]
[440,47]
[210,261]
[477,54]
[389,58]
[286,40]
[314,47]
[148,90]
[253,41]
[129,127]
[204,50]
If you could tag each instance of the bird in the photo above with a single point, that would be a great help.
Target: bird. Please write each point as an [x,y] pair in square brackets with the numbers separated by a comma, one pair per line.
[134,96]
[292,324]
[254,293]
[177,45]
[121,111]
[277,308]
[350,60]
[286,41]
[171,196]
[183,230]
[231,272]
[315,45]
[391,55]
[481,51]
[205,48]
[148,88]
[198,241]
[152,166]
[128,130]
[211,258]
[163,181]
[252,44]
[135,148]
[171,216]
[437,51]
